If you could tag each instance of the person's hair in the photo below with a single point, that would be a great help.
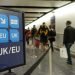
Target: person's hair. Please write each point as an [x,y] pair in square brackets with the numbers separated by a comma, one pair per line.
[40,26]
[68,22]
[43,22]
[33,25]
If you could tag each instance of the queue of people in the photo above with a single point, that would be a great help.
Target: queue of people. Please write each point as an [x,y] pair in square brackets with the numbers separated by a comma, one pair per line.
[45,34]
[41,35]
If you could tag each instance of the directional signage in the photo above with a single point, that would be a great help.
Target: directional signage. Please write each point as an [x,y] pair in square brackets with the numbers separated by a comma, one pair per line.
[14,21]
[12,51]
[3,21]
[14,35]
[3,35]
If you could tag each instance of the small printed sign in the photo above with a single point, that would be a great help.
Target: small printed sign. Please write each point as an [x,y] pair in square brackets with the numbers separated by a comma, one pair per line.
[3,21]
[14,35]
[3,35]
[14,21]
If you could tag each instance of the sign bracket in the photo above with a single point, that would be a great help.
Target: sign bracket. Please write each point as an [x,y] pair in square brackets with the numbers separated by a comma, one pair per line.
[10,72]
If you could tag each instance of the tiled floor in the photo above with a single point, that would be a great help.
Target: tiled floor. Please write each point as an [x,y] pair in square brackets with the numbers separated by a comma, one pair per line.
[43,68]
[60,67]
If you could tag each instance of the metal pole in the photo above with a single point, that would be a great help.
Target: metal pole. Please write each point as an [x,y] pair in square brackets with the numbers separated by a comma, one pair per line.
[50,62]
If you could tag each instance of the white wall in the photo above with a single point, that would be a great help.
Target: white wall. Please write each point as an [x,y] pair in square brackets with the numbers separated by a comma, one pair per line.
[62,15]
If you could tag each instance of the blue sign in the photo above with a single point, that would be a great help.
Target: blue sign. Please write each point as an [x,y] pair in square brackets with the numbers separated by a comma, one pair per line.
[11,39]
[3,21]
[3,35]
[14,21]
[14,35]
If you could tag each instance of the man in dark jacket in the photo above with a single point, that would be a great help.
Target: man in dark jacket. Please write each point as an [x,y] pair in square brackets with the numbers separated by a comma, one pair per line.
[33,32]
[68,39]
[51,35]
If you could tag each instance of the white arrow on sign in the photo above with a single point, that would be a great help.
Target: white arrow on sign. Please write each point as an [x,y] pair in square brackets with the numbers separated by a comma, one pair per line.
[3,21]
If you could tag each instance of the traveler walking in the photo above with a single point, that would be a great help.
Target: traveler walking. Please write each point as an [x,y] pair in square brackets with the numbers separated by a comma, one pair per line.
[68,39]
[51,36]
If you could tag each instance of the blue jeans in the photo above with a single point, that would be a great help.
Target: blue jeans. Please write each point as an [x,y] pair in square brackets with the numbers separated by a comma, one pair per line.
[68,46]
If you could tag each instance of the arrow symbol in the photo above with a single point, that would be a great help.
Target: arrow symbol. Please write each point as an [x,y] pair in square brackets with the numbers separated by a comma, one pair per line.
[2,21]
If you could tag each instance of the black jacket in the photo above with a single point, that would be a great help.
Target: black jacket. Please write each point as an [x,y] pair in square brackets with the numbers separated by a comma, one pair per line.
[69,35]
[51,35]
[33,31]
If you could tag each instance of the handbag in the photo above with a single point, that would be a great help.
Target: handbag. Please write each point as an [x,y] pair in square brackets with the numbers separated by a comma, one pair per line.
[63,52]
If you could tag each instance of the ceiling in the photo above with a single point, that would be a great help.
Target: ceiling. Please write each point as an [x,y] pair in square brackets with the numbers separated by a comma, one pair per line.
[34,9]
